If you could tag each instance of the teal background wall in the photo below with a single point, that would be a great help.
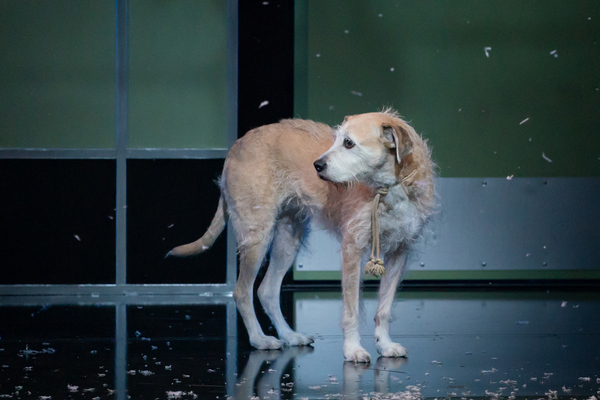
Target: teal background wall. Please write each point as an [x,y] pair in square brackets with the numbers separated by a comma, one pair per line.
[428,61]
[178,74]
[57,74]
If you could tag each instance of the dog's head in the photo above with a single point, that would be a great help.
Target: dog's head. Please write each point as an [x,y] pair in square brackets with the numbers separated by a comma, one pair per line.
[368,148]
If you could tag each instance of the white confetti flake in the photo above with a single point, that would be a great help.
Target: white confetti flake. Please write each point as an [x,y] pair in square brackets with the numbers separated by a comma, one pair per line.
[584,378]
[346,31]
[525,120]
[77,237]
[563,304]
[72,388]
[174,394]
[146,372]
[487,51]
[546,157]
[509,178]
[264,103]
[392,69]
[318,55]
[489,371]
[564,388]
[354,92]
[170,226]
[554,53]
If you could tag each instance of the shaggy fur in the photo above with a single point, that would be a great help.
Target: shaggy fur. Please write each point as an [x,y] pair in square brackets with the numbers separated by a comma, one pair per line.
[270,188]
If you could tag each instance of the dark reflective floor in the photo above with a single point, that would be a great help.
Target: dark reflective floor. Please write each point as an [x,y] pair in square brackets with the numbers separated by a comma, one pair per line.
[465,345]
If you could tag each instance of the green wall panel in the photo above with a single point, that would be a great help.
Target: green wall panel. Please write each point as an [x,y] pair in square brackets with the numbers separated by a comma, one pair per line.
[177,74]
[57,74]
[428,60]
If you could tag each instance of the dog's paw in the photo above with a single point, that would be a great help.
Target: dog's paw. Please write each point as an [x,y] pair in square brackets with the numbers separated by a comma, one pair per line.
[356,354]
[390,349]
[267,343]
[297,339]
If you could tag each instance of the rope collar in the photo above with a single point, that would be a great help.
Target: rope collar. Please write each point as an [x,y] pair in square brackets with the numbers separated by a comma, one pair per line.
[375,265]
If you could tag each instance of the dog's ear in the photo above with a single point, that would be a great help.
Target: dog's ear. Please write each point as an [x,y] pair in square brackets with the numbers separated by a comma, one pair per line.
[396,137]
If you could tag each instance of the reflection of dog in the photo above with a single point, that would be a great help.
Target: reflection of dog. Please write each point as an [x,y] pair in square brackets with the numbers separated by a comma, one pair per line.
[273,381]
[270,188]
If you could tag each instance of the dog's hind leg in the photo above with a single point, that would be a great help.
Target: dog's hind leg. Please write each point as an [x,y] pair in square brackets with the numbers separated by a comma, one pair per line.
[286,241]
[387,291]
[253,246]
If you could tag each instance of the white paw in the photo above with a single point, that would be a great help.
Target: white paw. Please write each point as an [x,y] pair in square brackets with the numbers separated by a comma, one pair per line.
[297,339]
[266,343]
[357,354]
[390,349]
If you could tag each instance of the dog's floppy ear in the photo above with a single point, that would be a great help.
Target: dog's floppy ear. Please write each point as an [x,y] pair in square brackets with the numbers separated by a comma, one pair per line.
[396,137]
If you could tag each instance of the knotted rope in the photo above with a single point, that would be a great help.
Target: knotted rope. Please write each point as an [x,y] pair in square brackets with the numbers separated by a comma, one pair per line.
[375,265]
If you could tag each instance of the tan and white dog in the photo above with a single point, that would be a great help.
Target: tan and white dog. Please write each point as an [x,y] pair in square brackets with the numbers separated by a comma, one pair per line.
[278,176]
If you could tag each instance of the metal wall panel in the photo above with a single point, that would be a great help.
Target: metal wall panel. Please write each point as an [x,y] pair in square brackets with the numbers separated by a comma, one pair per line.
[497,224]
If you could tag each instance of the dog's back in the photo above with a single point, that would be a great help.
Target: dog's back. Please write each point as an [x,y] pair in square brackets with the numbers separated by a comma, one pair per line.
[273,163]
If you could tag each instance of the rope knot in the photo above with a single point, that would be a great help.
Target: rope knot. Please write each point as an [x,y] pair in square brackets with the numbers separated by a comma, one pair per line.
[375,267]
[383,191]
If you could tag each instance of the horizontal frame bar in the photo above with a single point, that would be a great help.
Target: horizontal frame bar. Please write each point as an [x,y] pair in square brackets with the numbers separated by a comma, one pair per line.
[130,290]
[58,153]
[112,300]
[177,153]
[112,153]
[464,275]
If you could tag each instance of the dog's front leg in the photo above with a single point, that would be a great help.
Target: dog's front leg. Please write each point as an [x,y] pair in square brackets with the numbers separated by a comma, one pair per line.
[351,257]
[387,291]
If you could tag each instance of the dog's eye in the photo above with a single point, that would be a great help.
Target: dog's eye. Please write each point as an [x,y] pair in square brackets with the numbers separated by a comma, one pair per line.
[348,143]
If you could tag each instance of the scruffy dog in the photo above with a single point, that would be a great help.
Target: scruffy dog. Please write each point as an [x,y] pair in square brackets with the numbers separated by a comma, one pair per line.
[369,181]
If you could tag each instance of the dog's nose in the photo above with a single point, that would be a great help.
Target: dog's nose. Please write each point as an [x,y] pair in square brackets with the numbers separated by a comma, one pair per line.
[320,165]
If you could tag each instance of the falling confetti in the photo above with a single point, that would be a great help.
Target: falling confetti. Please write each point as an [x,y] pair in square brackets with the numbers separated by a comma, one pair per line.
[264,103]
[77,237]
[545,157]
[487,51]
[554,53]
[525,120]
[509,177]
[354,92]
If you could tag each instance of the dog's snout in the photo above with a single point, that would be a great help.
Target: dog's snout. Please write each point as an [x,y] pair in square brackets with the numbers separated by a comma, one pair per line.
[320,165]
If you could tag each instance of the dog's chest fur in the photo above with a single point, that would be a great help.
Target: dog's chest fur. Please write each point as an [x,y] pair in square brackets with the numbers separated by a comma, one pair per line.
[400,221]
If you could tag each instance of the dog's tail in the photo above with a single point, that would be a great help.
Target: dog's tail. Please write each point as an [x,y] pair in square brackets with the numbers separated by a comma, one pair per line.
[214,230]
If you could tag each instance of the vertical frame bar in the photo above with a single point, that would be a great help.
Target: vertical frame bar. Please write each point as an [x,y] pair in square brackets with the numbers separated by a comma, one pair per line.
[121,66]
[232,118]
[121,351]
[231,348]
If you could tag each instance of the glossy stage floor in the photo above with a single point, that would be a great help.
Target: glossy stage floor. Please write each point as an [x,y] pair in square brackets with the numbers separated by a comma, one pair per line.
[462,345]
